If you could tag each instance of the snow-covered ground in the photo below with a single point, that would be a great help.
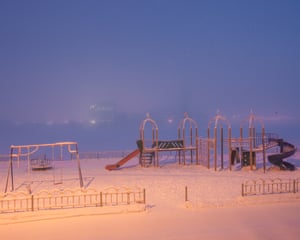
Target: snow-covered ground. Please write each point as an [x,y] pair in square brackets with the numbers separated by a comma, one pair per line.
[215,208]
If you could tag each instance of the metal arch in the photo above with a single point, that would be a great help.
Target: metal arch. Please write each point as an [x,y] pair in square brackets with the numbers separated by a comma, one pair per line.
[251,119]
[154,140]
[190,142]
[218,118]
[182,130]
[251,136]
[186,119]
[146,120]
[216,121]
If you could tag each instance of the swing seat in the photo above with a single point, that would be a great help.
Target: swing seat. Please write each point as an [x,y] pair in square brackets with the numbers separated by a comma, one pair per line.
[40,164]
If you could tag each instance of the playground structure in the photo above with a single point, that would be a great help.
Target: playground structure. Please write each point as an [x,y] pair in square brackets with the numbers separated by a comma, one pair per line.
[218,146]
[149,145]
[27,155]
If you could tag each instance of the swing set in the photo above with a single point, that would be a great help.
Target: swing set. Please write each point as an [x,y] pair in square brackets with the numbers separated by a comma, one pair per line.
[26,152]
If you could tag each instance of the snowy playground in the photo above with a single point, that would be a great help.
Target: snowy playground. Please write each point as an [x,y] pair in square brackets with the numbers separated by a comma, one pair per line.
[216,148]
[244,186]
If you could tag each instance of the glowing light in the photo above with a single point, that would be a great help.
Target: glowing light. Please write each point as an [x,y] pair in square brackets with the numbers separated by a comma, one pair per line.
[170,120]
[93,122]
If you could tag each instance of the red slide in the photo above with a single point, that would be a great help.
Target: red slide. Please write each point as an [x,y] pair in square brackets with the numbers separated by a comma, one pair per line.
[123,161]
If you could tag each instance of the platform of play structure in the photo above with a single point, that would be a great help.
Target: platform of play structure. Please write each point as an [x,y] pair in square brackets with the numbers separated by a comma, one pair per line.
[211,150]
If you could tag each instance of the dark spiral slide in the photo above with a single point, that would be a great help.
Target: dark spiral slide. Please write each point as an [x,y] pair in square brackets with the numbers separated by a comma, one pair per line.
[286,150]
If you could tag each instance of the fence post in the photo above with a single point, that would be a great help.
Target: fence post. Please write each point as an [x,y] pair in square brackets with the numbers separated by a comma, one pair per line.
[144,196]
[128,198]
[242,189]
[186,194]
[101,201]
[32,203]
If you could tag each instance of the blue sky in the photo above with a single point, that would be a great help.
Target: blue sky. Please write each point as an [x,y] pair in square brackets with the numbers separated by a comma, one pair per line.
[57,58]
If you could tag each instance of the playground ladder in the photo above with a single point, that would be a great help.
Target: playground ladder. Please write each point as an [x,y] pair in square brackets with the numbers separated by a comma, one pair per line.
[146,158]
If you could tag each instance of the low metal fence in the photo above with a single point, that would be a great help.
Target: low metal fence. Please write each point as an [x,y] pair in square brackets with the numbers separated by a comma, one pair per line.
[70,198]
[270,186]
[16,202]
[111,154]
[4,157]
[104,154]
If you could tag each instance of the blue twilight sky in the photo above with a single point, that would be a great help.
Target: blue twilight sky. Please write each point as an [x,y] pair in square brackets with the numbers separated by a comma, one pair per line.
[60,57]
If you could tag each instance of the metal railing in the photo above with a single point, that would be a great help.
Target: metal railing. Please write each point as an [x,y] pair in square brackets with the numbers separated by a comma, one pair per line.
[267,141]
[70,198]
[104,154]
[88,155]
[4,157]
[270,186]
[92,155]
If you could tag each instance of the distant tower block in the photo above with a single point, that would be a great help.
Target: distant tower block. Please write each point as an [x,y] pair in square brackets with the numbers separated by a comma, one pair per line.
[101,113]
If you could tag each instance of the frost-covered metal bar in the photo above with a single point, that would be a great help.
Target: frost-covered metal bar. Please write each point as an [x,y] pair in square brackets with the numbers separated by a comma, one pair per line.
[18,151]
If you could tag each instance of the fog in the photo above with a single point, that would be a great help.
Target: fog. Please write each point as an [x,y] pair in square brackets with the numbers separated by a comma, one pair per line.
[164,57]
